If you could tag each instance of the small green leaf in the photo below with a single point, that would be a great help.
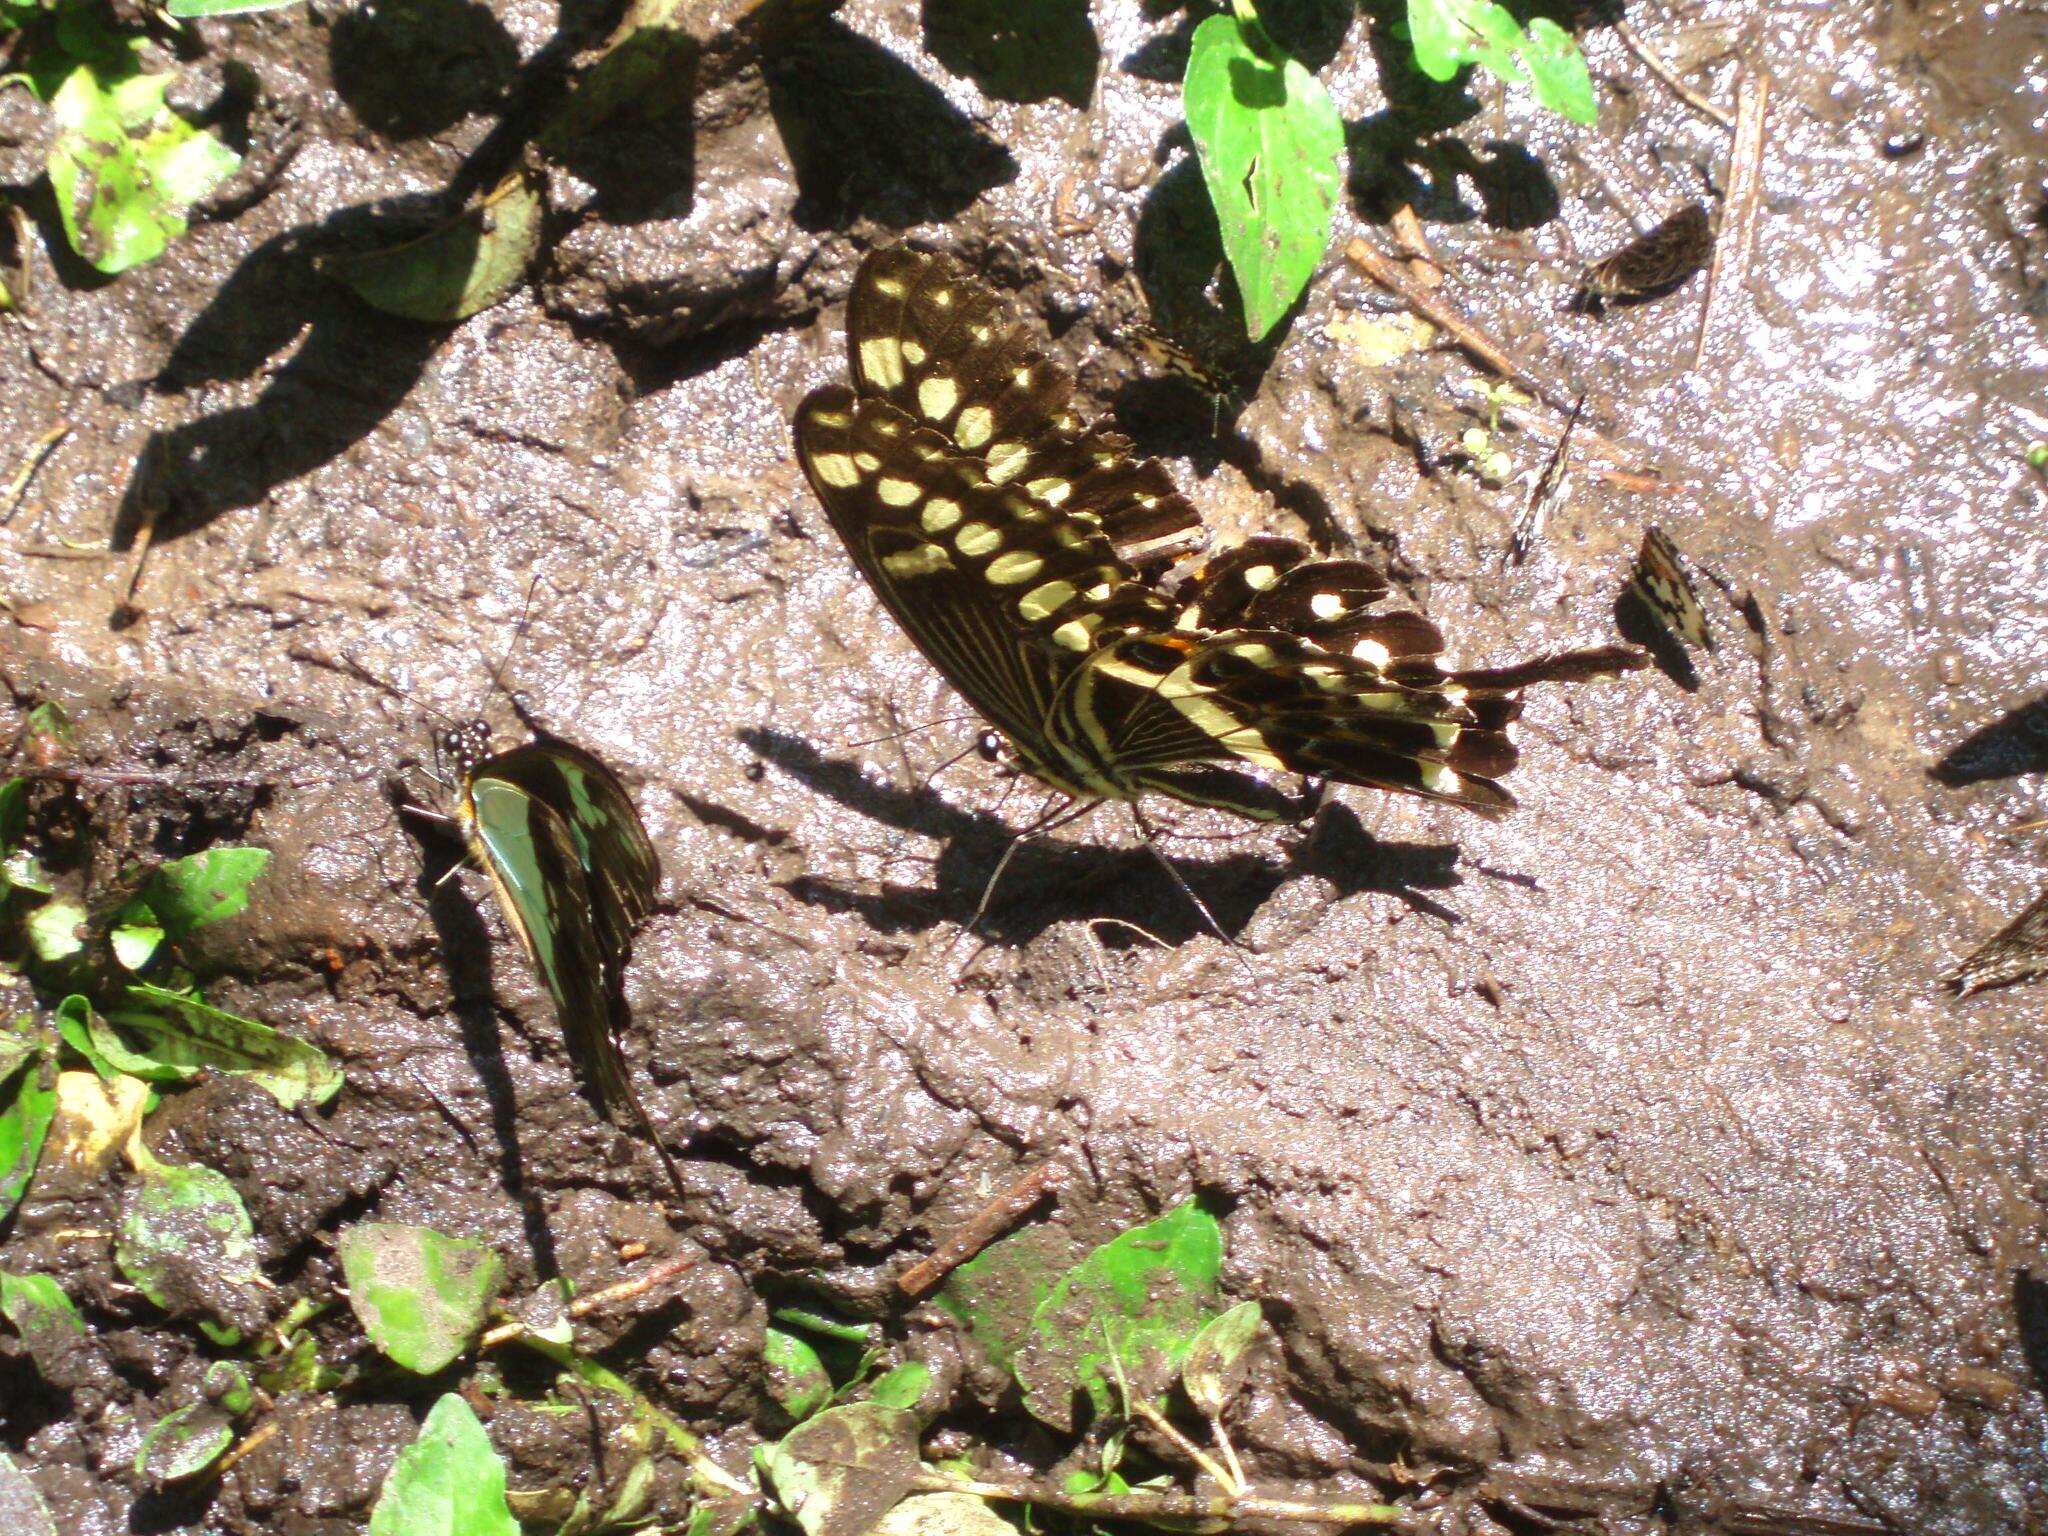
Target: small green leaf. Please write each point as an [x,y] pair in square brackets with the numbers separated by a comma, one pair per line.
[23,871]
[53,931]
[797,1378]
[1143,1295]
[996,1293]
[227,1383]
[1447,35]
[125,168]
[1271,148]
[421,1296]
[1214,1370]
[76,1026]
[135,942]
[453,272]
[189,893]
[179,1034]
[43,1315]
[22,1510]
[903,1387]
[840,1472]
[943,1514]
[186,1242]
[48,730]
[183,1444]
[26,1110]
[13,812]
[448,1482]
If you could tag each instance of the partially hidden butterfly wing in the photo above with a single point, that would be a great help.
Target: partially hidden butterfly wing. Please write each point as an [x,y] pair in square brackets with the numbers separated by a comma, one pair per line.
[1661,582]
[537,872]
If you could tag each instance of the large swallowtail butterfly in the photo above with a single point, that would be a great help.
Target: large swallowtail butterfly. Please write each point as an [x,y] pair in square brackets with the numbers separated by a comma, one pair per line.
[1020,549]
[574,873]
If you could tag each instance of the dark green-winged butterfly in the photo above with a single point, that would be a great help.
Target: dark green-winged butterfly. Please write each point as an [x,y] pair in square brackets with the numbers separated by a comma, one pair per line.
[1022,551]
[571,865]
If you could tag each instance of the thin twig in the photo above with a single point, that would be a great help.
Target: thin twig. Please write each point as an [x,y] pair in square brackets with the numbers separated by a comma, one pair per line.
[1738,219]
[150,506]
[1475,341]
[982,1229]
[1165,1506]
[1186,1447]
[1669,76]
[38,451]
[597,1301]
[62,552]
[108,778]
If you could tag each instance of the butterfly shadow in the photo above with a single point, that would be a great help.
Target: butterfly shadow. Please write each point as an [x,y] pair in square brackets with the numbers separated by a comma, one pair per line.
[2013,744]
[465,949]
[1049,882]
[1632,617]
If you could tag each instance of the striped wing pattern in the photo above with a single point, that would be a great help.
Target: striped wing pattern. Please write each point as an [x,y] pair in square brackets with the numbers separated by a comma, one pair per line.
[996,528]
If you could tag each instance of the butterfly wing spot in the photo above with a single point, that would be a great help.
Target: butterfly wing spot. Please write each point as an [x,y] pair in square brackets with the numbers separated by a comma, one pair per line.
[977,424]
[1260,577]
[881,360]
[835,469]
[1042,602]
[975,540]
[1006,461]
[839,421]
[913,352]
[1327,605]
[1076,634]
[1051,490]
[940,513]
[1018,566]
[937,396]
[942,298]
[890,287]
[868,462]
[917,561]
[898,493]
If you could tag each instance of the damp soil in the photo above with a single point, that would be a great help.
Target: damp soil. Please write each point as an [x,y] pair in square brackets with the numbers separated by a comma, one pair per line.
[1622,1161]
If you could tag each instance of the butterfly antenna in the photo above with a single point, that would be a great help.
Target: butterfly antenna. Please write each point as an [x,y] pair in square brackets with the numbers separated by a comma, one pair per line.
[1052,819]
[496,681]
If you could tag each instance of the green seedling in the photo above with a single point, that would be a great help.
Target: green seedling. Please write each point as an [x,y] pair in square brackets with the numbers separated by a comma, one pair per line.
[1450,35]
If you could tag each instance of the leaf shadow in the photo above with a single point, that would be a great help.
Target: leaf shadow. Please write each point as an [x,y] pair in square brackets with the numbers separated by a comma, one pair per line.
[1017,50]
[1050,882]
[2013,744]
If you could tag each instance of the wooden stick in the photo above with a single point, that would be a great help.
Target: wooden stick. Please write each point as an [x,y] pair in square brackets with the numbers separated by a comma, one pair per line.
[38,451]
[1738,220]
[1475,341]
[983,1228]
[597,1301]
[1669,76]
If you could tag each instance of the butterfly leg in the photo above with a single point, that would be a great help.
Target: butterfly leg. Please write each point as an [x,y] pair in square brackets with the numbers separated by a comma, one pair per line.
[1060,815]
[1208,918]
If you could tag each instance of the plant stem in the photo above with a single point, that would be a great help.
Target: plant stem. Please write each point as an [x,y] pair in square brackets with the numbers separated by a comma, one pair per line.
[1166,1506]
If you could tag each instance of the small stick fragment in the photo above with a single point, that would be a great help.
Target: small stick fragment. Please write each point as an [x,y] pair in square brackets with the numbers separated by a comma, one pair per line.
[1408,234]
[983,1228]
[1669,76]
[1547,493]
[1738,221]
[597,1301]
[1628,480]
[1467,335]
[112,778]
[41,449]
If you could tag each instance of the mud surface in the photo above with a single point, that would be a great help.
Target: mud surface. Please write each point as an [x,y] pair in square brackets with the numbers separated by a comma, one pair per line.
[1620,1159]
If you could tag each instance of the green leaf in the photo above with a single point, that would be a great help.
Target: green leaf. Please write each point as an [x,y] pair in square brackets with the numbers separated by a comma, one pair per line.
[189,893]
[179,1034]
[22,1510]
[943,1514]
[227,1383]
[13,812]
[189,8]
[76,1026]
[903,1387]
[1271,148]
[29,1107]
[840,1472]
[421,1295]
[448,1482]
[453,272]
[135,940]
[53,931]
[1447,35]
[43,1315]
[1144,1295]
[125,168]
[48,730]
[797,1378]
[186,1242]
[23,871]
[1214,1370]
[998,1292]
[182,1444]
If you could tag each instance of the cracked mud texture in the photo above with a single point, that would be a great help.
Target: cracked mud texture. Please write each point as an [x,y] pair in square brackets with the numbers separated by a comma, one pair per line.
[1621,1159]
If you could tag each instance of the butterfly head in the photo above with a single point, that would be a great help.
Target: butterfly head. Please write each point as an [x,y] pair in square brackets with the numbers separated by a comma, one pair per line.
[463,746]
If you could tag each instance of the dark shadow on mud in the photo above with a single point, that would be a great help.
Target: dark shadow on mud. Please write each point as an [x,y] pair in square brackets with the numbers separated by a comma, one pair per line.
[1049,882]
[2030,1313]
[869,137]
[1017,50]
[2013,744]
[464,943]
[1633,619]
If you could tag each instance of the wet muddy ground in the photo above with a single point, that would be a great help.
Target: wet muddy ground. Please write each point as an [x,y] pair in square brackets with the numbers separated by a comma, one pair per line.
[1622,1159]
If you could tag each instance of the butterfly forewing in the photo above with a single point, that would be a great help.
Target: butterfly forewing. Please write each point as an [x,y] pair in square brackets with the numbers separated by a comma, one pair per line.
[1661,582]
[1659,259]
[612,847]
